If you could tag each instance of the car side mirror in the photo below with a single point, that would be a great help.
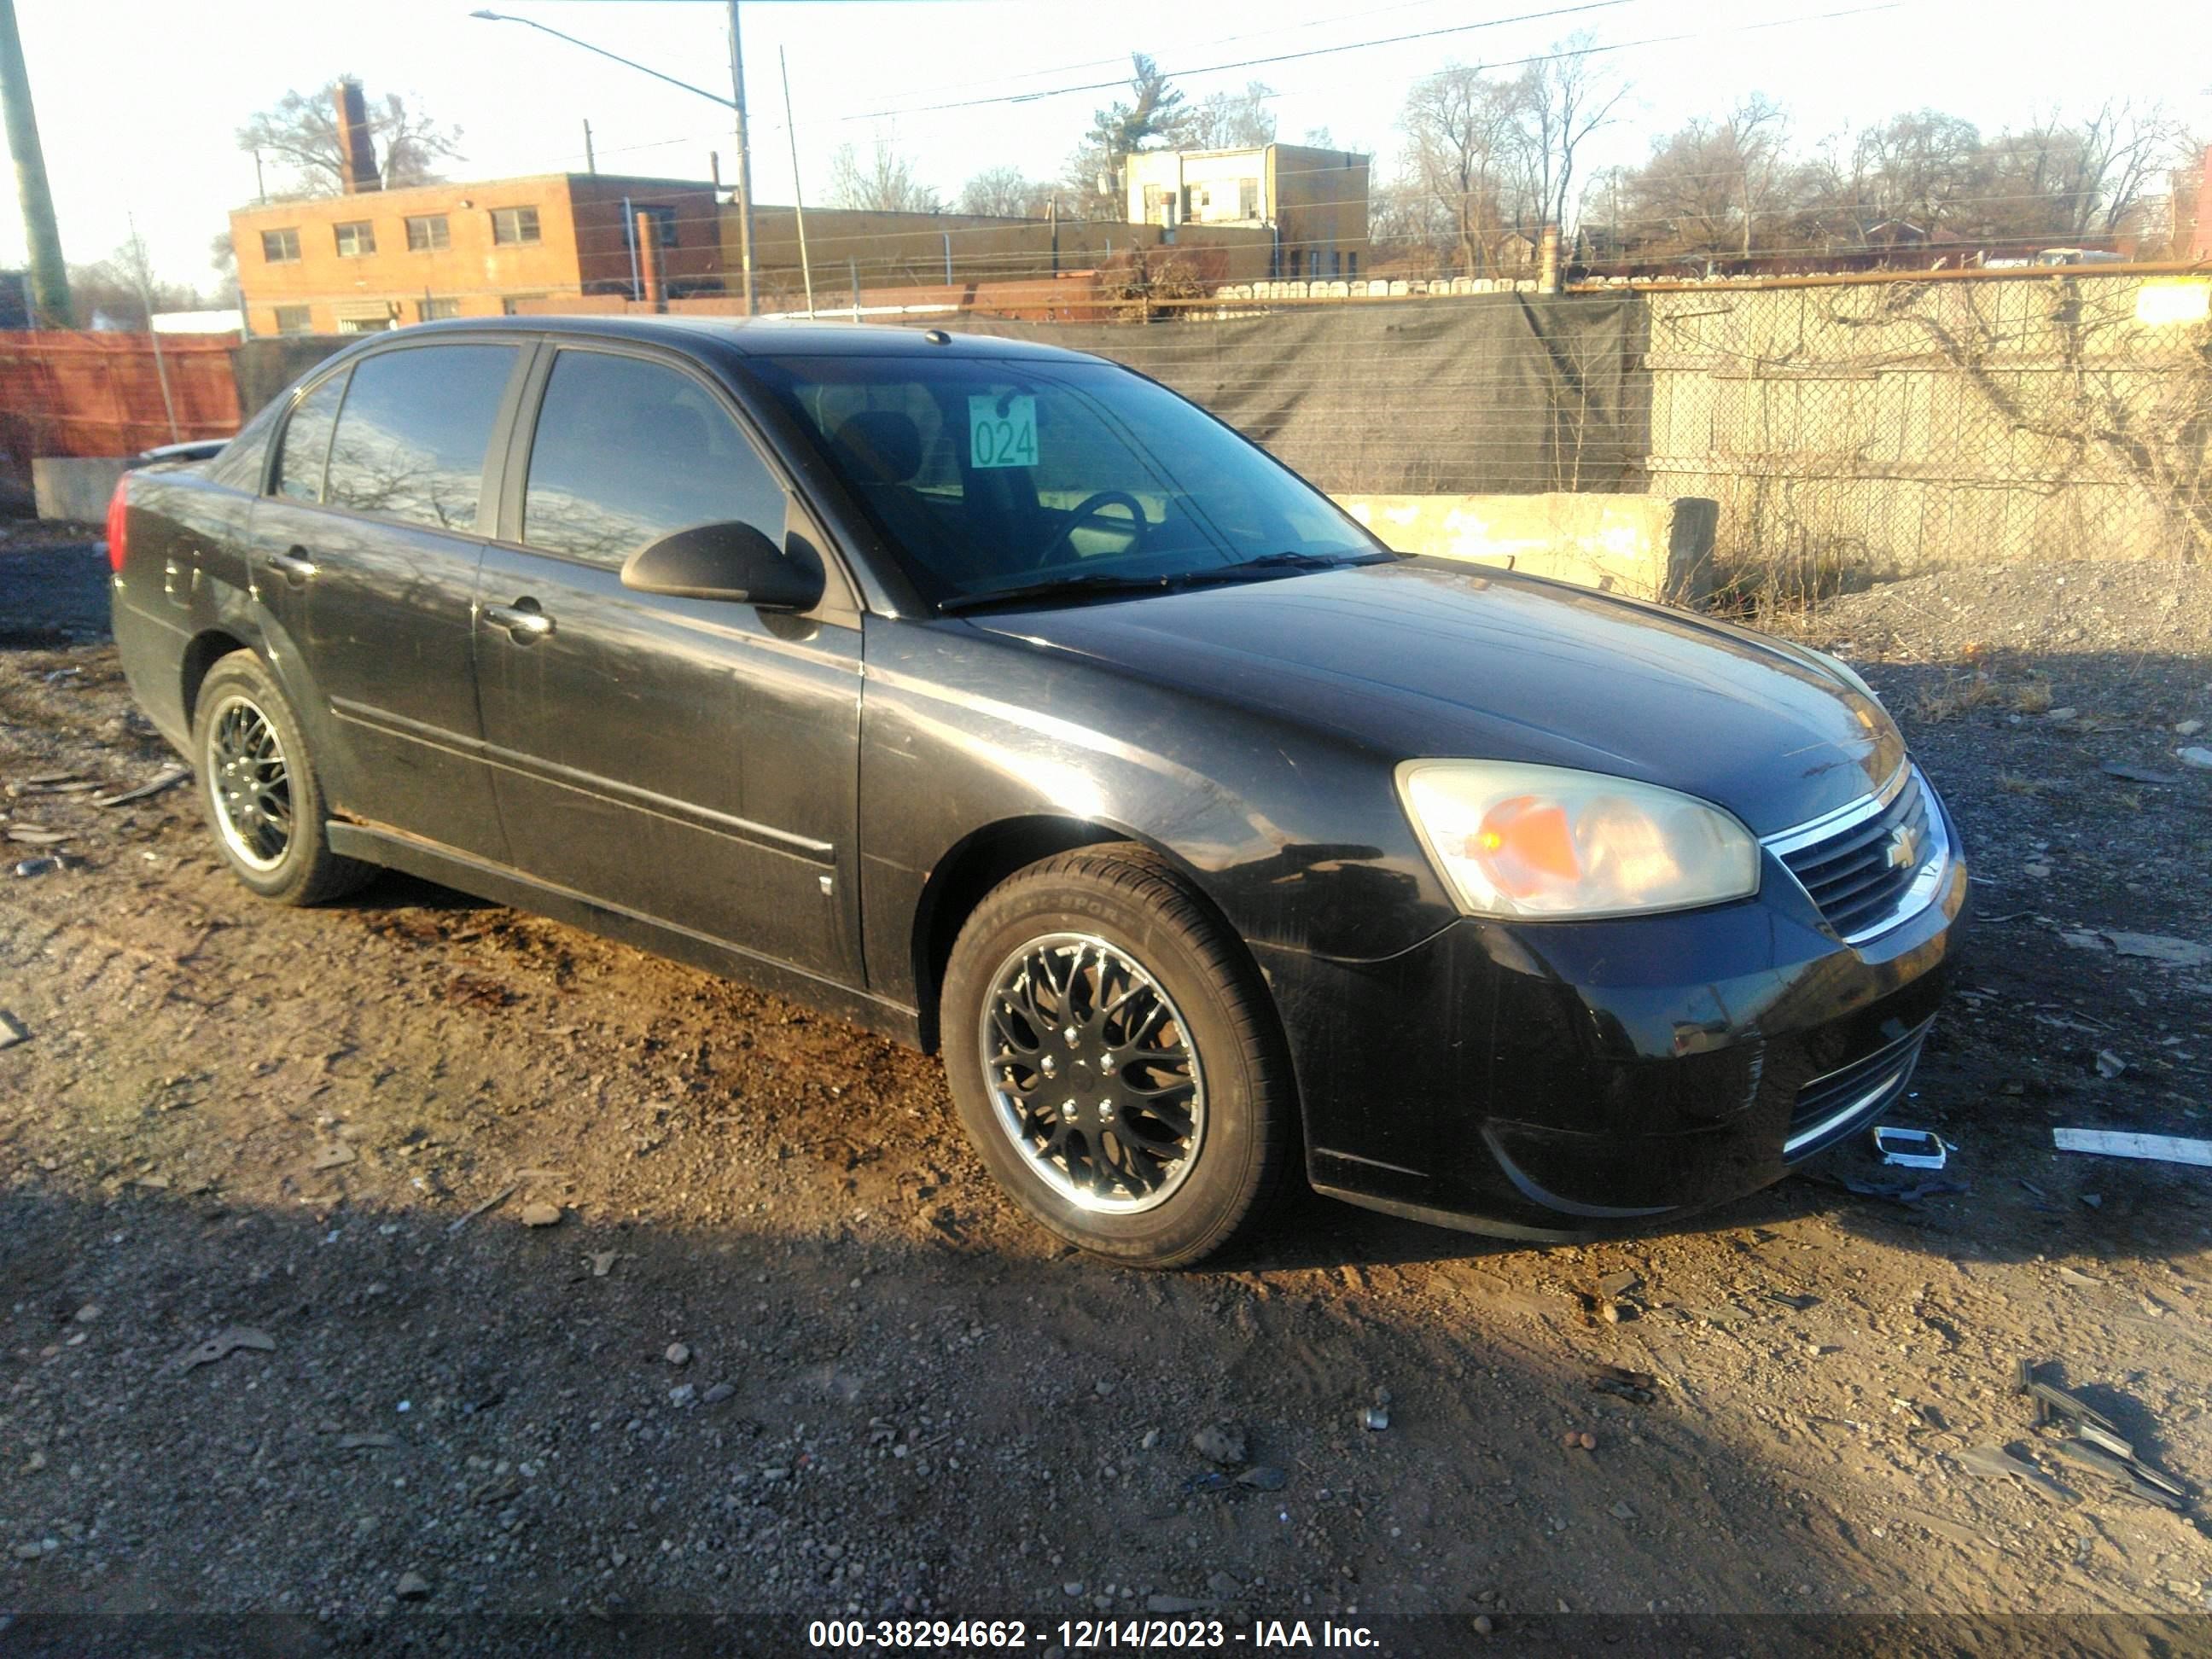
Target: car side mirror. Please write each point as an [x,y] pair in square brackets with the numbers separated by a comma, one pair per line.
[734,562]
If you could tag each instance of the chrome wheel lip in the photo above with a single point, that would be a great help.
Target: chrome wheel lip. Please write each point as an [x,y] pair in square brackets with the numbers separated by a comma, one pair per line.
[244,768]
[1015,1122]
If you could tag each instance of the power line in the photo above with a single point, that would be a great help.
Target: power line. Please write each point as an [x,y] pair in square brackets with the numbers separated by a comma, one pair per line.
[1253,62]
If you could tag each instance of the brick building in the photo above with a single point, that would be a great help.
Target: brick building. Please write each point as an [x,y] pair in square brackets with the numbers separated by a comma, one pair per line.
[372,259]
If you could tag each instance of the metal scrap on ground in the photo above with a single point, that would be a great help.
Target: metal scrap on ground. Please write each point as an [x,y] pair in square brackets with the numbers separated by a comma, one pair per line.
[168,780]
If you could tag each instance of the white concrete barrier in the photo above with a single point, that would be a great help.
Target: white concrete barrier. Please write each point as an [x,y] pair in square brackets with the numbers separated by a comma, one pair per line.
[75,486]
[1649,547]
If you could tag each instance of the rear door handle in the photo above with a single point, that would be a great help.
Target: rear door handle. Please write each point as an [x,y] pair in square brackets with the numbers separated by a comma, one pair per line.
[523,620]
[294,567]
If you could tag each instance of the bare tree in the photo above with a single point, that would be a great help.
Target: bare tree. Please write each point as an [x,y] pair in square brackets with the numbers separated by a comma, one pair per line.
[300,132]
[1561,101]
[2069,179]
[1460,135]
[1231,120]
[1712,185]
[882,181]
[1922,166]
[1006,193]
[111,293]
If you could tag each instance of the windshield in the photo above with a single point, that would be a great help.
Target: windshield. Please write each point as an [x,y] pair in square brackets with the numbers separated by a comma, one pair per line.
[990,476]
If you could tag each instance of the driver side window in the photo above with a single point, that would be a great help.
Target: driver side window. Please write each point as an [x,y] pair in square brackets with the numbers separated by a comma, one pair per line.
[627,450]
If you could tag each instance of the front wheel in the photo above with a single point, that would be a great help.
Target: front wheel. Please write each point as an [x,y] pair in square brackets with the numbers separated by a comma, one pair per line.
[260,792]
[1114,1059]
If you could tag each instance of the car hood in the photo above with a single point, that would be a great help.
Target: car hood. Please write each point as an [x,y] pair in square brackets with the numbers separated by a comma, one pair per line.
[1423,659]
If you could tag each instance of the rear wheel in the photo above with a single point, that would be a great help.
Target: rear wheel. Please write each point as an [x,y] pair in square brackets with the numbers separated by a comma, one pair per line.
[260,790]
[1114,1059]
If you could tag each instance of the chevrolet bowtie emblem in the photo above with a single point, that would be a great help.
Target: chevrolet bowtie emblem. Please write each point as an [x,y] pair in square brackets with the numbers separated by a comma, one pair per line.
[1904,847]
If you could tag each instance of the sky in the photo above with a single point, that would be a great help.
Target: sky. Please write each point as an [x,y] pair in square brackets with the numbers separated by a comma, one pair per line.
[138,103]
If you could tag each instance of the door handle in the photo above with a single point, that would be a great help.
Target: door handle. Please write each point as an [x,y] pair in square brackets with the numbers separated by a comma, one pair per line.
[523,620]
[294,567]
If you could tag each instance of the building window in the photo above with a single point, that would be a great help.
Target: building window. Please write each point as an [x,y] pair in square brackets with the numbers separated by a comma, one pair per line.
[428,233]
[355,239]
[294,320]
[363,325]
[281,248]
[1351,263]
[513,305]
[1248,198]
[436,311]
[664,222]
[513,225]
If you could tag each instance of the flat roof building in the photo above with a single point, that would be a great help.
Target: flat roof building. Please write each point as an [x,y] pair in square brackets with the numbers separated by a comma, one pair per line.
[1314,201]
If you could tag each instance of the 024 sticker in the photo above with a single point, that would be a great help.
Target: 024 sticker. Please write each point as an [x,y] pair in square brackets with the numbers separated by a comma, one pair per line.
[1002,431]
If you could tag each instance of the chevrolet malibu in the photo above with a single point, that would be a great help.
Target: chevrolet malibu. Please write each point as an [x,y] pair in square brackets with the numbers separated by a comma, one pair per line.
[995,698]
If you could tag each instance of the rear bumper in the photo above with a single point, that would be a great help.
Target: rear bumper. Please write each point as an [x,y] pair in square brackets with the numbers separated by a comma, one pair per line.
[1570,1080]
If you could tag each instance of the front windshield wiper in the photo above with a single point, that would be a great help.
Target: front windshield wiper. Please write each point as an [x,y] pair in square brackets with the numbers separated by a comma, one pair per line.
[1283,563]
[1102,582]
[1096,581]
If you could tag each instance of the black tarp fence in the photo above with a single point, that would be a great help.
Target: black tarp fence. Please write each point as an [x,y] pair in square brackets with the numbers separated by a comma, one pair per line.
[1503,394]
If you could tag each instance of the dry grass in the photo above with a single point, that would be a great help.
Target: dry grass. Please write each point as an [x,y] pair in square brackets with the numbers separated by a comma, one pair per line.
[1963,694]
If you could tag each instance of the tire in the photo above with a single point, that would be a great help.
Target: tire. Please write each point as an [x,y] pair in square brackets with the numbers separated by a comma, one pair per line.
[1182,1145]
[258,788]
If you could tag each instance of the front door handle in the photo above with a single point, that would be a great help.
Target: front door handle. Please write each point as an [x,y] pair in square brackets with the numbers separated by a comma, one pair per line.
[294,567]
[523,620]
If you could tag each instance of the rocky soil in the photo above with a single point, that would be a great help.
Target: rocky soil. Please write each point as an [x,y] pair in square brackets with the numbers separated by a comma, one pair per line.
[417,1256]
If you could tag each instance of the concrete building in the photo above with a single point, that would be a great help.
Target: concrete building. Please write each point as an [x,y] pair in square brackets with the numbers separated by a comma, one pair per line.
[373,258]
[1313,202]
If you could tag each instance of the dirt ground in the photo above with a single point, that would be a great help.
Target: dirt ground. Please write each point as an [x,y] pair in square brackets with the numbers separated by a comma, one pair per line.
[786,1350]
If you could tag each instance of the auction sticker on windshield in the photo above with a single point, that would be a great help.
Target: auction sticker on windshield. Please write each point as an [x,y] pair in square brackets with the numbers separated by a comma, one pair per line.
[1002,431]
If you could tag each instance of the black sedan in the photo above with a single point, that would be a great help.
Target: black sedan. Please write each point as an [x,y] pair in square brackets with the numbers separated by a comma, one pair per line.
[997,698]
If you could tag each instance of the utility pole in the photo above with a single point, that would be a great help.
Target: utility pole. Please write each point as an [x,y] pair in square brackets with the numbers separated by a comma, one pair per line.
[744,161]
[798,191]
[50,294]
[591,161]
[142,268]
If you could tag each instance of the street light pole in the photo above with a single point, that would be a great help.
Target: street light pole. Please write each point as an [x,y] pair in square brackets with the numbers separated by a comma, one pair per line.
[745,162]
[736,104]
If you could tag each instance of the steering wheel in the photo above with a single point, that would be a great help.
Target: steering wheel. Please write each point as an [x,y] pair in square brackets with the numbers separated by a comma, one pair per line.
[1087,509]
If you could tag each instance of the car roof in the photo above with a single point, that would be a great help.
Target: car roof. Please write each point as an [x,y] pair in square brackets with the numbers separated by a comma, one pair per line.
[758,337]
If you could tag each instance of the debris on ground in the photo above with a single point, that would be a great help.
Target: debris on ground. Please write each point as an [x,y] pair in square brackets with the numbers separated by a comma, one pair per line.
[1220,1443]
[541,1214]
[1641,1387]
[2116,1143]
[12,1030]
[1911,1149]
[168,780]
[491,1203]
[2096,1442]
[224,1343]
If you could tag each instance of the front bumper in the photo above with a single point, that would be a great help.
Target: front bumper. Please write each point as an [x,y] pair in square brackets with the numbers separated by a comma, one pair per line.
[1567,1080]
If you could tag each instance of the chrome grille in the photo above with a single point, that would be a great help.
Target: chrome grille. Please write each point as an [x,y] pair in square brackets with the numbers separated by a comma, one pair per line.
[1866,875]
[1835,1103]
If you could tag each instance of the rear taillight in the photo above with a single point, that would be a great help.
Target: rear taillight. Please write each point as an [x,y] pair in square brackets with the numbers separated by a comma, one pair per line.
[118,520]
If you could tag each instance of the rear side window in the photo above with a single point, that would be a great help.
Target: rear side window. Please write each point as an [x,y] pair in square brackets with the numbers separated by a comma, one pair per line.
[627,452]
[412,435]
[306,441]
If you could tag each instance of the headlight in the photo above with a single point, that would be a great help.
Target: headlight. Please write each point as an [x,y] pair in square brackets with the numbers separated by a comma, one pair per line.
[1547,843]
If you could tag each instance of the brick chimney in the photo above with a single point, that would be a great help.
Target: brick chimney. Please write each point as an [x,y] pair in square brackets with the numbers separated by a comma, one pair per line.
[355,144]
